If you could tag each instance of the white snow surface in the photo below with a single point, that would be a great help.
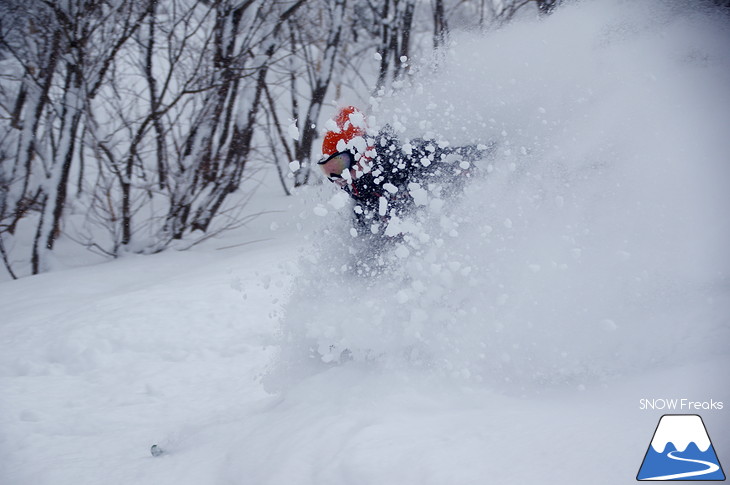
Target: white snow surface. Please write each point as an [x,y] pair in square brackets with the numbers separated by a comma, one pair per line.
[481,351]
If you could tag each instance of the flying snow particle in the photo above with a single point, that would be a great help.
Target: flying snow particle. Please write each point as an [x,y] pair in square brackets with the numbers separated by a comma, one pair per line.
[359,143]
[358,120]
[294,165]
[339,200]
[402,251]
[436,205]
[331,125]
[390,188]
[382,206]
[419,194]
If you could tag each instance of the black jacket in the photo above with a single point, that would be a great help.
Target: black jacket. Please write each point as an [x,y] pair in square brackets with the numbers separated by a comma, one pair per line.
[385,190]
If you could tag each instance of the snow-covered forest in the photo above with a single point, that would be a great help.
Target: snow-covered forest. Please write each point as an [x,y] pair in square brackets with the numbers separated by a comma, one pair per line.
[174,274]
[126,125]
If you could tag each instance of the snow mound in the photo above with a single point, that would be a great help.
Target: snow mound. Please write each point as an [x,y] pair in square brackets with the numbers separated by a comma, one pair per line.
[593,243]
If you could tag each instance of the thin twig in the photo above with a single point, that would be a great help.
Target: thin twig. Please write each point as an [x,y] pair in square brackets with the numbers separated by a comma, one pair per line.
[245,243]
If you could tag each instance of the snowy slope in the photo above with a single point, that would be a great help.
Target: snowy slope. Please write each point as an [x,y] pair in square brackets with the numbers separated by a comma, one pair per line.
[511,343]
[91,379]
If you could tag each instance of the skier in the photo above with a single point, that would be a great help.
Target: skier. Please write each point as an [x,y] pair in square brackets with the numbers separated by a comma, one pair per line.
[387,178]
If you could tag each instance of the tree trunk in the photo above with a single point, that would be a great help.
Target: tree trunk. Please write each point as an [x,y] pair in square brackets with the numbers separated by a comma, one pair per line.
[440,27]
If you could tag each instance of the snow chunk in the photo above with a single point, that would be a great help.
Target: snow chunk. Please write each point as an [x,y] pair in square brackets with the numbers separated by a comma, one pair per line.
[390,188]
[402,252]
[358,143]
[419,194]
[331,125]
[320,210]
[382,206]
[436,205]
[358,120]
[339,200]
[395,227]
[294,165]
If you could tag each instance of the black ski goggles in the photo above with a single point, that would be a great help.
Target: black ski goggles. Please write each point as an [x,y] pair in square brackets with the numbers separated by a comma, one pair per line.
[336,164]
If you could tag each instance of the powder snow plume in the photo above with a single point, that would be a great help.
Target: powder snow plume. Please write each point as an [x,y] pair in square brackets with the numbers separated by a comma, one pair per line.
[594,241]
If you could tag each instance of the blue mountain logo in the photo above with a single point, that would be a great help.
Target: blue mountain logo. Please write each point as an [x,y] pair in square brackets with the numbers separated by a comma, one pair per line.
[681,450]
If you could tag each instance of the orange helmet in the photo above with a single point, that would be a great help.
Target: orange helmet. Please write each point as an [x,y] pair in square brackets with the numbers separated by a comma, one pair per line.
[347,130]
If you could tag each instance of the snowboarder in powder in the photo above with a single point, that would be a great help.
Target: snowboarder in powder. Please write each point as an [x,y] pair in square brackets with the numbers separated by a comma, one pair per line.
[385,177]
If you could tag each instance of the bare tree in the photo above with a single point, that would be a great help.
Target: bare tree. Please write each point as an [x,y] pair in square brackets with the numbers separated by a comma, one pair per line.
[546,7]
[301,83]
[74,42]
[440,25]
[253,54]
[154,110]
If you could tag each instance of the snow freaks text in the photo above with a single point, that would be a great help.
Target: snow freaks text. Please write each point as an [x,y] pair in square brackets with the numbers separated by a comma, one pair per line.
[679,405]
